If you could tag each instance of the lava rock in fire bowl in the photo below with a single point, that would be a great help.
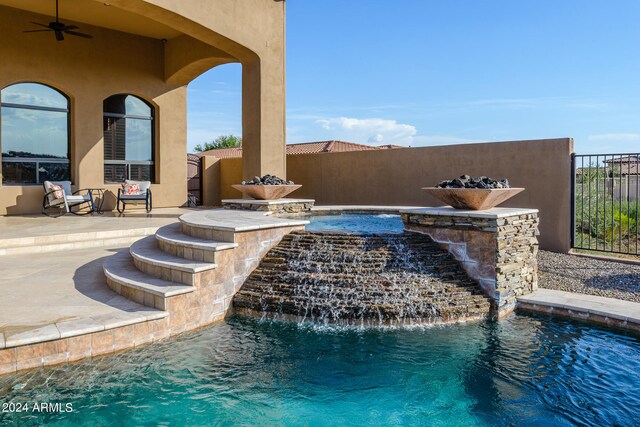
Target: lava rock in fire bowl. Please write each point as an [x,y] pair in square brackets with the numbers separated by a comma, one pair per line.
[470,193]
[268,187]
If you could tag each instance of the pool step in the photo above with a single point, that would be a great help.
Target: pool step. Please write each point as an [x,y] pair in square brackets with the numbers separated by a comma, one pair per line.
[148,258]
[125,279]
[173,241]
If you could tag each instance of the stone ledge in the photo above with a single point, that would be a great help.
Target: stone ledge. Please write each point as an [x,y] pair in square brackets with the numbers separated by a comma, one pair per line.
[583,306]
[77,327]
[493,213]
[237,220]
[267,202]
[275,206]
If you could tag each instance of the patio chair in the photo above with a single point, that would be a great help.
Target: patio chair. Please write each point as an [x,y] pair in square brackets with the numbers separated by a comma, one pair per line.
[144,195]
[60,200]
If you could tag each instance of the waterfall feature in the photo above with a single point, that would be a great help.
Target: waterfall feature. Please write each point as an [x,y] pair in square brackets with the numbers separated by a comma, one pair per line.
[384,279]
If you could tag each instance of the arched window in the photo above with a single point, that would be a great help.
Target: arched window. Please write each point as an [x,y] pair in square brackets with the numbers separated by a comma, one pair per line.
[128,139]
[34,134]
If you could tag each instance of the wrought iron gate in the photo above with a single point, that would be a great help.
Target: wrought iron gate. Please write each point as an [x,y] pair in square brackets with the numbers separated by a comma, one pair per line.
[605,202]
[194,180]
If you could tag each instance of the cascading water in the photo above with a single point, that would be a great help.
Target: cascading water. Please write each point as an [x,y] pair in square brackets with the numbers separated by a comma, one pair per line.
[376,279]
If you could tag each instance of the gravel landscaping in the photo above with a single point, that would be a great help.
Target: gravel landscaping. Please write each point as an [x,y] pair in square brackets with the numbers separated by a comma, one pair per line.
[588,276]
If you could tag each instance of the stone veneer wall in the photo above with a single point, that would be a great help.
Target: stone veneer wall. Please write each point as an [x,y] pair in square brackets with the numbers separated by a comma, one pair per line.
[285,207]
[500,253]
[207,304]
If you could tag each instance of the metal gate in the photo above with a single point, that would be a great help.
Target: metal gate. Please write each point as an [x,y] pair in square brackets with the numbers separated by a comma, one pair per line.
[605,202]
[194,180]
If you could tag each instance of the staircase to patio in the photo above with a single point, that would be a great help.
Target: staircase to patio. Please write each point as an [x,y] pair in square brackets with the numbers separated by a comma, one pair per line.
[193,268]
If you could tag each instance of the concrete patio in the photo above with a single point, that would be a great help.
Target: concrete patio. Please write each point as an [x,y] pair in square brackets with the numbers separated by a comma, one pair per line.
[53,282]
[37,233]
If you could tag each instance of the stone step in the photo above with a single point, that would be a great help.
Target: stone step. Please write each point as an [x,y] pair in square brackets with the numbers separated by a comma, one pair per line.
[371,311]
[125,279]
[346,279]
[151,260]
[173,241]
[71,244]
[370,296]
[372,284]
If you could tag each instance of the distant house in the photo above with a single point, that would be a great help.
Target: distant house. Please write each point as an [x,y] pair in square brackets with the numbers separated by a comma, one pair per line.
[619,166]
[303,148]
[626,165]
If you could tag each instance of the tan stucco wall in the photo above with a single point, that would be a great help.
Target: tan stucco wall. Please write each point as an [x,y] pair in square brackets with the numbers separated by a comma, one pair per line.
[230,173]
[254,32]
[394,177]
[88,71]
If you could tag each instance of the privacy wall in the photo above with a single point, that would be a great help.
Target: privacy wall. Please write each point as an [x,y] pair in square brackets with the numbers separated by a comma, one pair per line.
[394,177]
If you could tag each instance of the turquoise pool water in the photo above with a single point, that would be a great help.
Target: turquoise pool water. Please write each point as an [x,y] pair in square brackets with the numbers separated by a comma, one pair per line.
[357,223]
[519,371]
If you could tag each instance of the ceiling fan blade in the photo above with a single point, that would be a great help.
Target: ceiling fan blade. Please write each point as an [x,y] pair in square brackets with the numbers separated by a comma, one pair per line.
[59,36]
[37,31]
[74,33]
[70,27]
[42,25]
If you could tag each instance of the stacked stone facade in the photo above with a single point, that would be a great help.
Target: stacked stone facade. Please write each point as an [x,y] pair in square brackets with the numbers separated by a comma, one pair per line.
[395,279]
[498,248]
[281,206]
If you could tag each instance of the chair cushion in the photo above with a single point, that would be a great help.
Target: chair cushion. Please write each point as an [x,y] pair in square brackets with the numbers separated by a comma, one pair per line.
[66,186]
[143,185]
[72,200]
[133,197]
[130,189]
[57,191]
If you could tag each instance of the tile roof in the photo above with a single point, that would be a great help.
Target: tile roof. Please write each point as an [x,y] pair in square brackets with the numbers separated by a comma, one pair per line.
[303,148]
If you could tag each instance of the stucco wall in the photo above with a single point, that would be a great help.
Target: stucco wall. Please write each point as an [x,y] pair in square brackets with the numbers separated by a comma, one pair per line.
[394,177]
[253,31]
[88,71]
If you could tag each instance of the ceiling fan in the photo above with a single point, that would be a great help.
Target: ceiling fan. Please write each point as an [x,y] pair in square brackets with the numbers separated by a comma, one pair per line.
[59,28]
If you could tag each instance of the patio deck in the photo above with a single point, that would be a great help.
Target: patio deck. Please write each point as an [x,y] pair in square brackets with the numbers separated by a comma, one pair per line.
[58,289]
[38,233]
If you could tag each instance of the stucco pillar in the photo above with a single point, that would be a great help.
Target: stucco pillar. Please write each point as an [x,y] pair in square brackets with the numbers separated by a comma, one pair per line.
[263,118]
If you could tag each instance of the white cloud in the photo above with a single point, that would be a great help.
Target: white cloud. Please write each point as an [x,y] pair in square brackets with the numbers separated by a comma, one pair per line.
[373,130]
[615,137]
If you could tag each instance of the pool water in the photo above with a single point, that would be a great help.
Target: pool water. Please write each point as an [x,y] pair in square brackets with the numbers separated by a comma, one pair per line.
[519,371]
[357,223]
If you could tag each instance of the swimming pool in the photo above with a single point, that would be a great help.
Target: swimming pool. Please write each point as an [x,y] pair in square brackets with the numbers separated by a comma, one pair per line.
[357,223]
[520,371]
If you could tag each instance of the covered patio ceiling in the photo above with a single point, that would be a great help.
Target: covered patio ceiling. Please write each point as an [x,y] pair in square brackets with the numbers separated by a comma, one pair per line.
[96,13]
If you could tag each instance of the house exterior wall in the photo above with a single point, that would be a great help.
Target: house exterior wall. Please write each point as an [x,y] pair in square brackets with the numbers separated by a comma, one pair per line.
[394,177]
[114,62]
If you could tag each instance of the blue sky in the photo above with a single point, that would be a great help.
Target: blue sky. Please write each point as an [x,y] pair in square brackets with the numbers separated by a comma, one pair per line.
[435,72]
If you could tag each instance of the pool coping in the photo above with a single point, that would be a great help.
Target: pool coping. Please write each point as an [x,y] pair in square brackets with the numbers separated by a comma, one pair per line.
[237,220]
[602,310]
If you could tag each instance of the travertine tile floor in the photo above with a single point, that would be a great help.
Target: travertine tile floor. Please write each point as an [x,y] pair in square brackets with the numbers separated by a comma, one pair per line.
[62,293]
[14,227]
[53,293]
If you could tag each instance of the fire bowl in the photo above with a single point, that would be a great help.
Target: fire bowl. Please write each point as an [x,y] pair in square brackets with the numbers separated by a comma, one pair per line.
[472,198]
[266,192]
